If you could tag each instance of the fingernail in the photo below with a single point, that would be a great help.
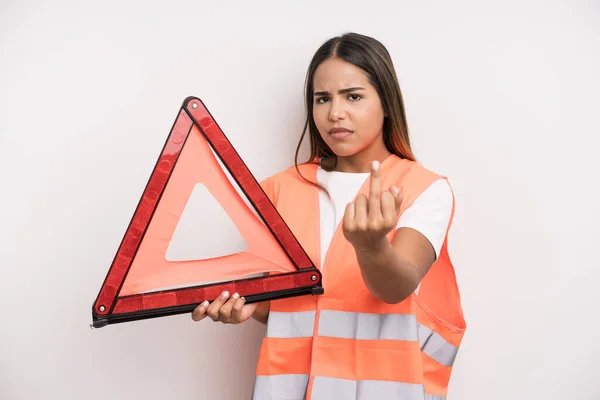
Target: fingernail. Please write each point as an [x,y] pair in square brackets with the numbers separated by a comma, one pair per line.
[395,190]
[375,165]
[205,304]
[235,296]
[225,294]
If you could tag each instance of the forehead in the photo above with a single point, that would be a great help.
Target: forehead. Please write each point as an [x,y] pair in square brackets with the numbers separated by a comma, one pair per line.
[335,73]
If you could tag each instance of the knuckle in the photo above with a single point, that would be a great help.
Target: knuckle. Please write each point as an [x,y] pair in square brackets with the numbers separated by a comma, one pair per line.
[198,313]
[237,308]
[213,316]
[224,319]
[389,222]
[374,225]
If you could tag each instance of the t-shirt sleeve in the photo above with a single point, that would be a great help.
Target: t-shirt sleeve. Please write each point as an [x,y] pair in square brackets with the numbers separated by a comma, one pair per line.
[430,213]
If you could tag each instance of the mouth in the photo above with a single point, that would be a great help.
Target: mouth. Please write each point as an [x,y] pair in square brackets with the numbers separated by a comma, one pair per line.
[340,133]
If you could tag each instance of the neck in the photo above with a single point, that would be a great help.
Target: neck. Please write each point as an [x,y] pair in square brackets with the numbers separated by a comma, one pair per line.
[360,162]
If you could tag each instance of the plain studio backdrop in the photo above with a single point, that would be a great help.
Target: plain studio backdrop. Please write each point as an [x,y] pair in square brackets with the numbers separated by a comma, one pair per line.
[500,97]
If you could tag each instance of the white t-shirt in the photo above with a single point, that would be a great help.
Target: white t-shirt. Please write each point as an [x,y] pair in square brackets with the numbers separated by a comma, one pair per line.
[429,214]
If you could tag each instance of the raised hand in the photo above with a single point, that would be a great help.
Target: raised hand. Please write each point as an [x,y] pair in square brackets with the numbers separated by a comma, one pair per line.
[368,220]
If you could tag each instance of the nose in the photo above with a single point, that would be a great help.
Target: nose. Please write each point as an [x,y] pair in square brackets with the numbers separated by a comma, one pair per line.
[337,110]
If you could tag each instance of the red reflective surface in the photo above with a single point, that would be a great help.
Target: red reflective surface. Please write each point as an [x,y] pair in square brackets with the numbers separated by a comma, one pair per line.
[194,112]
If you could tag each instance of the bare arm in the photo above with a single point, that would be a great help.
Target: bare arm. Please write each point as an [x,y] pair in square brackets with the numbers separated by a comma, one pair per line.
[392,271]
[261,314]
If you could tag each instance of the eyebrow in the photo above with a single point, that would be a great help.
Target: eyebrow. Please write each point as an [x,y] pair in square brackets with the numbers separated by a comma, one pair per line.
[342,91]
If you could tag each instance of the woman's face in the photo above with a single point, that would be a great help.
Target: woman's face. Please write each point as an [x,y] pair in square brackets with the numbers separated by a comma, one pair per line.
[347,110]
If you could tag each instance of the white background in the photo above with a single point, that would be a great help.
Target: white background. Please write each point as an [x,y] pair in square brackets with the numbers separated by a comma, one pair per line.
[501,97]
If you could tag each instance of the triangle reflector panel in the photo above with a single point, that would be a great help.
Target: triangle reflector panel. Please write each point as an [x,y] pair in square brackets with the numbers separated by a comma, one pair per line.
[146,281]
[191,240]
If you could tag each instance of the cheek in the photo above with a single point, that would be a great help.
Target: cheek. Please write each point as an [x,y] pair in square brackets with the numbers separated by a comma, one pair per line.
[371,122]
[320,119]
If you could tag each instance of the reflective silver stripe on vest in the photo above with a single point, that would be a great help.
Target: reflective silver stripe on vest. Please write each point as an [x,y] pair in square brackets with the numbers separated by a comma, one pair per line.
[343,389]
[290,324]
[434,397]
[436,347]
[362,326]
[286,386]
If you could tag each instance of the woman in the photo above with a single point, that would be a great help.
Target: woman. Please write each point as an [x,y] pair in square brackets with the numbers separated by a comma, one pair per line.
[390,321]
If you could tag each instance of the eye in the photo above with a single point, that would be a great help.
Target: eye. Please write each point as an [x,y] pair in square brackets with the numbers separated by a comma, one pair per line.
[321,100]
[354,97]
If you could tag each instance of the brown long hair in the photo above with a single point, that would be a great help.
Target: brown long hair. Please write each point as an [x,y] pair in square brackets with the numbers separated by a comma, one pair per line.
[372,57]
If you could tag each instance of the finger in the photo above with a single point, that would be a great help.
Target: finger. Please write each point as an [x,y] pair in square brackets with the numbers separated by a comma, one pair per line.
[199,312]
[213,309]
[397,198]
[375,191]
[227,308]
[360,212]
[241,312]
[236,312]
[388,208]
[349,217]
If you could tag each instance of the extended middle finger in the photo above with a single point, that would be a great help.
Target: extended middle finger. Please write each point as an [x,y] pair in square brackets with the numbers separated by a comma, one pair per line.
[375,191]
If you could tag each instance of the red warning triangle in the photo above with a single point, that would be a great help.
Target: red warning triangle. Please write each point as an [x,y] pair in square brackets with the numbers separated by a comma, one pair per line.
[134,287]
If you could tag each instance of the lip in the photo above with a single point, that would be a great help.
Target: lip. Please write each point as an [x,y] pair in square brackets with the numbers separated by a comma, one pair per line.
[336,130]
[340,133]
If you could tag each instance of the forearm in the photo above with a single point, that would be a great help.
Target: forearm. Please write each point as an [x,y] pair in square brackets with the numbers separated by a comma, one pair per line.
[389,278]
[261,314]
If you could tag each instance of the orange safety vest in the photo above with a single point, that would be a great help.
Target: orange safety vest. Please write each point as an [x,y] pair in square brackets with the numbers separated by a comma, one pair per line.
[346,344]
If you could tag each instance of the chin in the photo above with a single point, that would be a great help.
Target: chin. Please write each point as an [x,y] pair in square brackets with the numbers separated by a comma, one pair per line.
[344,151]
